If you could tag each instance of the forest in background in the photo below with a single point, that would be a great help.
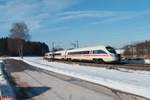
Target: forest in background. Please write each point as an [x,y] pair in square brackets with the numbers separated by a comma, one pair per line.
[11,46]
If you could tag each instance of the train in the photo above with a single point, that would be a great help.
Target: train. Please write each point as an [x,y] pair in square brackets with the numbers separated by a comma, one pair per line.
[97,54]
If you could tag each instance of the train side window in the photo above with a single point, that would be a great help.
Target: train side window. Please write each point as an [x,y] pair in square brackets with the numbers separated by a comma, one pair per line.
[80,52]
[99,52]
[111,50]
[57,54]
[85,52]
[72,53]
[69,53]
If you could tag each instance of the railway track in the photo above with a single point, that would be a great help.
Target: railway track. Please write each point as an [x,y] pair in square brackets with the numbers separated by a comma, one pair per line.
[144,67]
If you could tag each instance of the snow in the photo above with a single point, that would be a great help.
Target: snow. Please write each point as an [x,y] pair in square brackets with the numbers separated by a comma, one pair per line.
[120,51]
[130,81]
[6,89]
[147,61]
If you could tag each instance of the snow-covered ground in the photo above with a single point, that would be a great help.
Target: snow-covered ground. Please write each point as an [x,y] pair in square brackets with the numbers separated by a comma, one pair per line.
[147,61]
[135,82]
[5,87]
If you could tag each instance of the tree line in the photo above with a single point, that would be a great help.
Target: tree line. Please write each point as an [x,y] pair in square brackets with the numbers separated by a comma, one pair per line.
[11,47]
[140,50]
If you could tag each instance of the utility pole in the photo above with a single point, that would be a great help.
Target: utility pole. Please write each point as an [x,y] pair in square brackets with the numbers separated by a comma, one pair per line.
[77,44]
[52,50]
[52,46]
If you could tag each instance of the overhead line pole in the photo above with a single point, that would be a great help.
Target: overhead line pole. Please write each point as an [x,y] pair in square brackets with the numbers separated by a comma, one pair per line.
[77,44]
[52,50]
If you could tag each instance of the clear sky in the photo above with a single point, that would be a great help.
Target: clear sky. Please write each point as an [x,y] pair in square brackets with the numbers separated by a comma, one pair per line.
[91,22]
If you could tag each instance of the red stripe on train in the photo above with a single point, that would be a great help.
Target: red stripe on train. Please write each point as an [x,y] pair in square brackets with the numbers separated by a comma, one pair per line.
[90,55]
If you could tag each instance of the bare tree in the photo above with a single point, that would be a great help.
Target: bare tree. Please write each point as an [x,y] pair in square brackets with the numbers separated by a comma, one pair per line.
[19,31]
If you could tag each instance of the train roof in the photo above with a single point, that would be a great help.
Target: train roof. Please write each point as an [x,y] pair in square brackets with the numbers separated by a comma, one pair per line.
[60,51]
[82,49]
[88,48]
[55,52]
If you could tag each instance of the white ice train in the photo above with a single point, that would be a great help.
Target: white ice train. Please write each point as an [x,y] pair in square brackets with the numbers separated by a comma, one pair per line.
[98,54]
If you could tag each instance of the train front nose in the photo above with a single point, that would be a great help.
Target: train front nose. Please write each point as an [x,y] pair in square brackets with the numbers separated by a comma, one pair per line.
[115,57]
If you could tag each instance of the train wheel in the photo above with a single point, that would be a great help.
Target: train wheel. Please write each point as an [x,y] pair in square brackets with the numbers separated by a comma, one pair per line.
[99,61]
[69,59]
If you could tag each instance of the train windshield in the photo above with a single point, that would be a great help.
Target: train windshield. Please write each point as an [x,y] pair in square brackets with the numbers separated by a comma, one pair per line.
[111,50]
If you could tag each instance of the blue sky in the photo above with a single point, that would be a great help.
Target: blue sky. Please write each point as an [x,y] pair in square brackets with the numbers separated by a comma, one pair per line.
[91,22]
